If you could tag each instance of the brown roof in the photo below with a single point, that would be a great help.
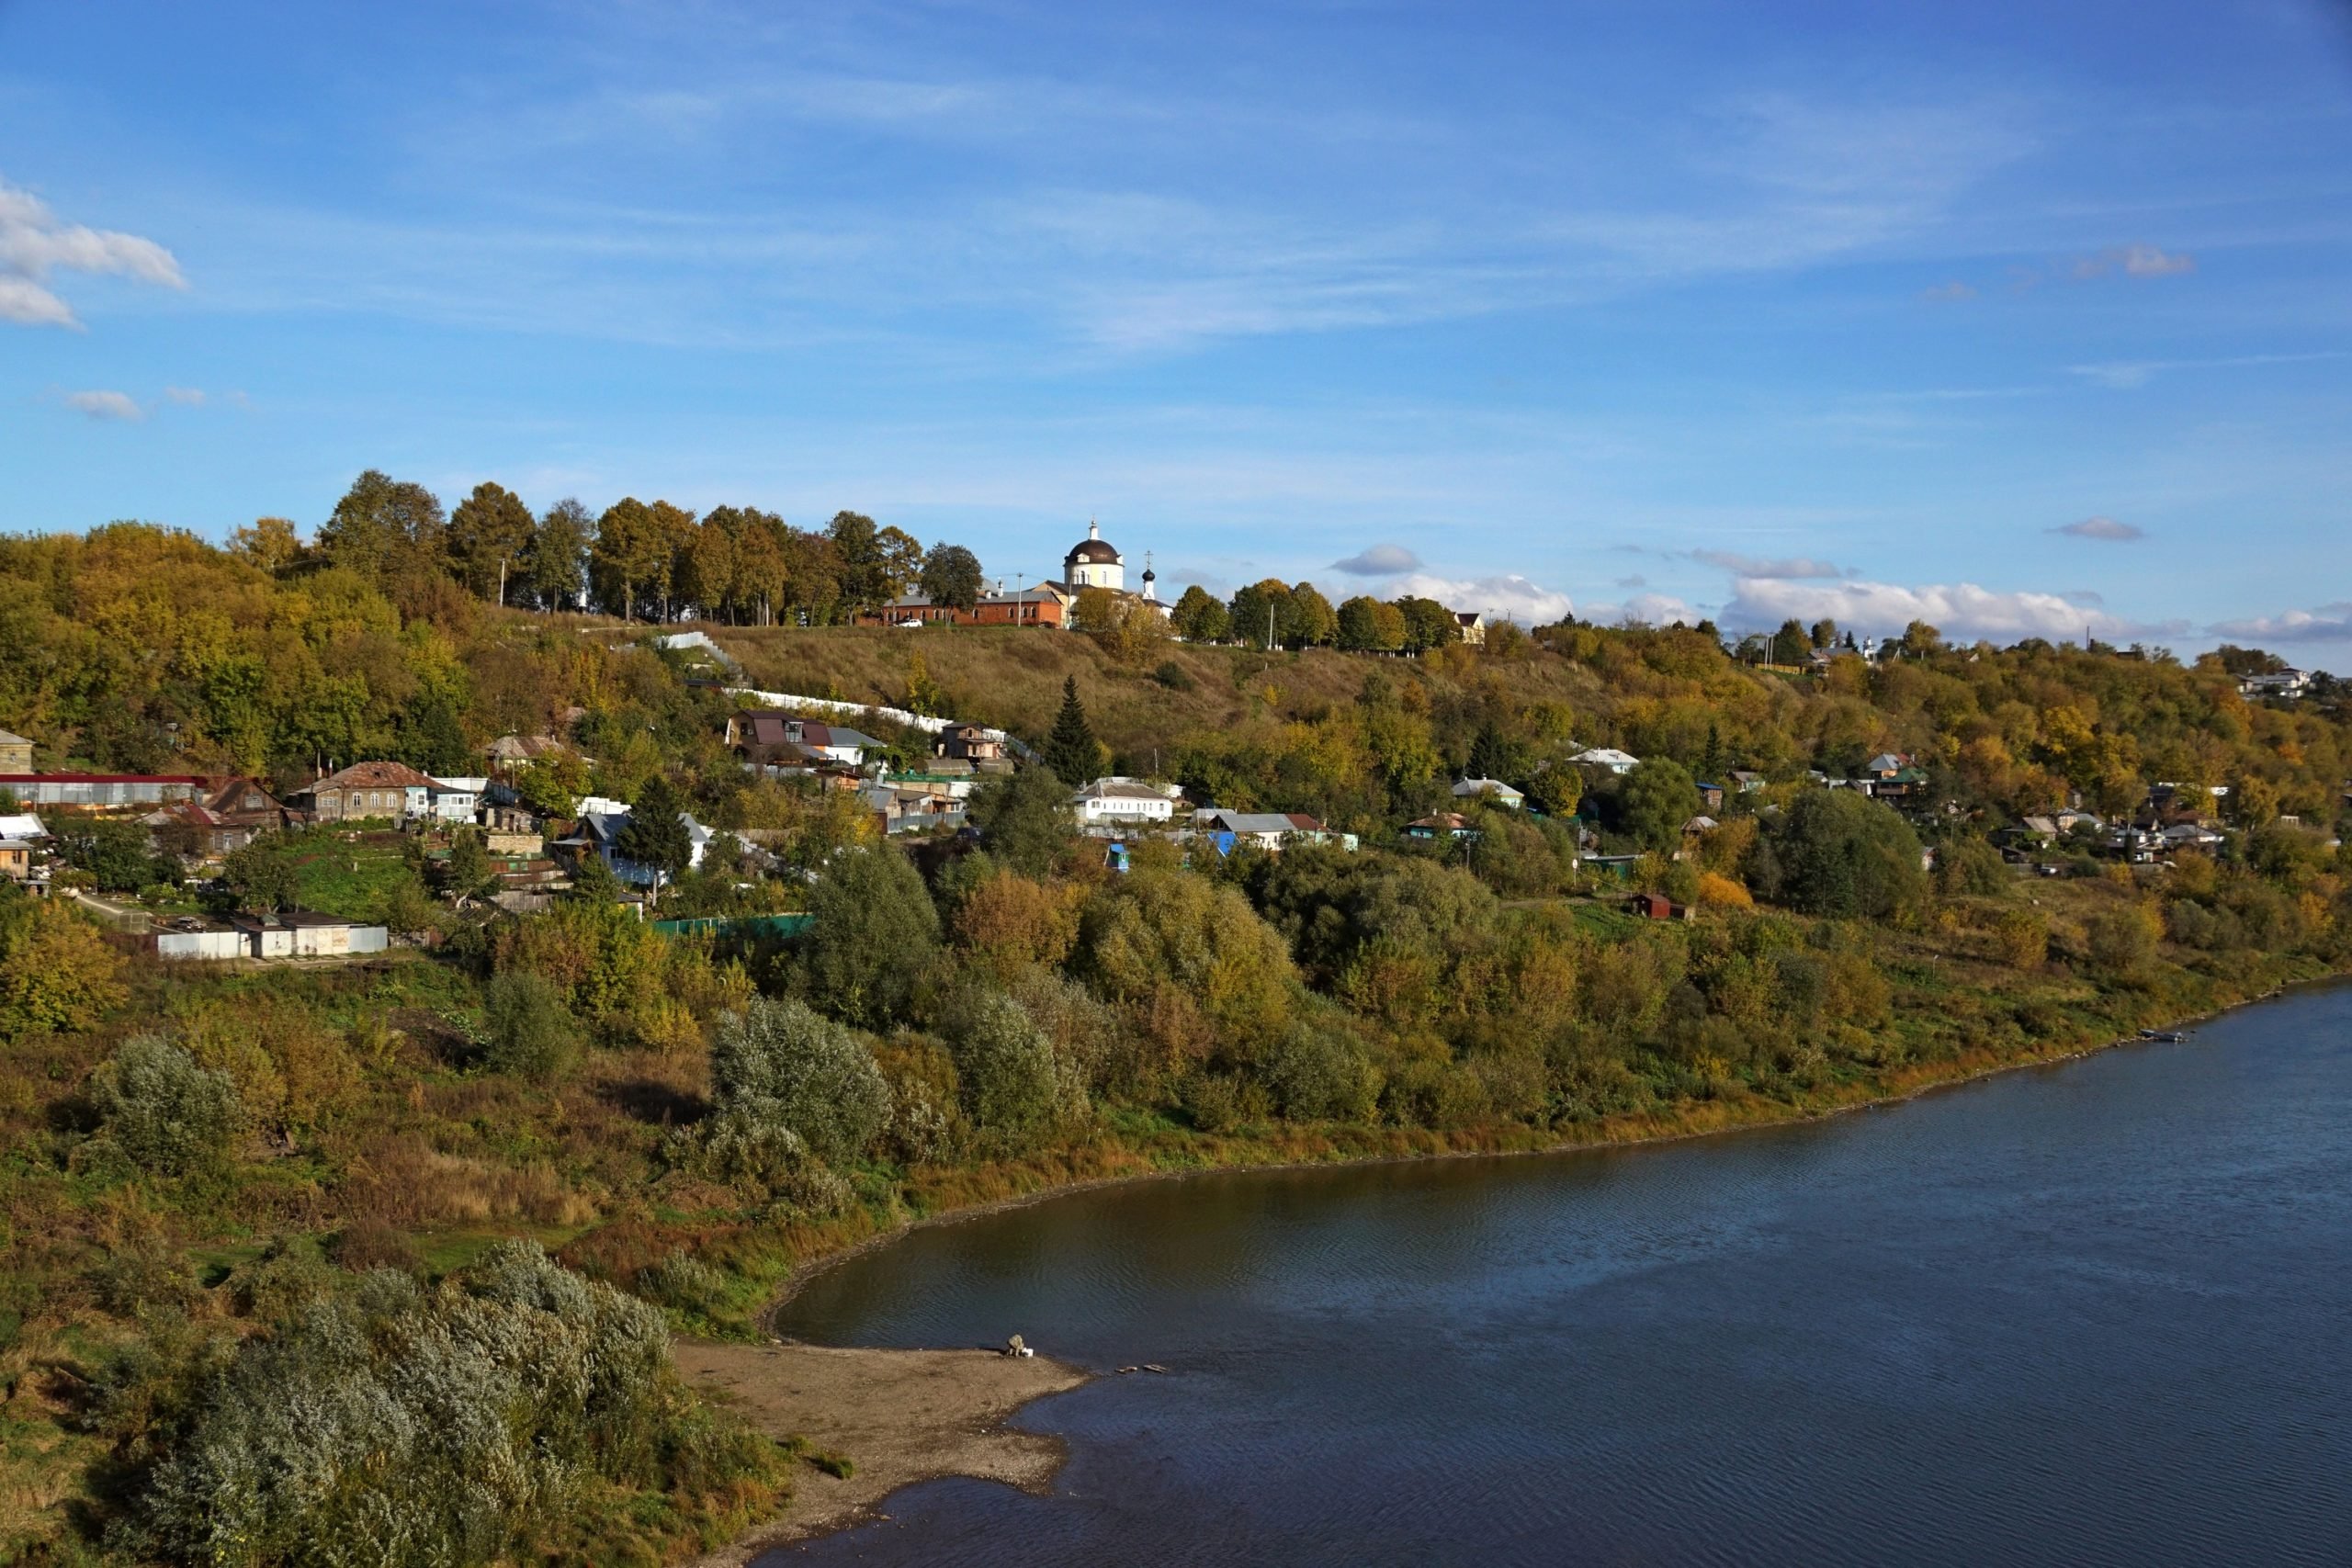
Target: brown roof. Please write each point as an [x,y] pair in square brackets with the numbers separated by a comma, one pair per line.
[1091,549]
[374,775]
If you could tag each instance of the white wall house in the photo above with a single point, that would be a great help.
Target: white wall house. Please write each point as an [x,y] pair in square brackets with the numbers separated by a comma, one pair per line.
[1607,756]
[1124,803]
[458,800]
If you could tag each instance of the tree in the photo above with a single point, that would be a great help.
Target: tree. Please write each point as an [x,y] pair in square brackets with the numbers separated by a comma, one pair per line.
[656,836]
[556,563]
[1825,633]
[1004,1065]
[1791,644]
[1490,755]
[1556,790]
[56,972]
[1658,799]
[703,567]
[1199,617]
[901,562]
[1025,820]
[489,535]
[778,1063]
[951,576]
[631,554]
[384,528]
[1367,626]
[271,544]
[1256,614]
[162,1109]
[1841,854]
[1308,620]
[873,931]
[467,870]
[876,564]
[1071,751]
[530,1029]
[260,876]
[1427,624]
[113,849]
[1920,639]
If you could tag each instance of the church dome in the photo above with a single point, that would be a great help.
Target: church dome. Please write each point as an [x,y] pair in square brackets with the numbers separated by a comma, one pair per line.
[1094,548]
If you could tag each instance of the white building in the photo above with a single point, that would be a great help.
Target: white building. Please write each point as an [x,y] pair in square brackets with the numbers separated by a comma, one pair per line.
[458,800]
[1124,803]
[1607,756]
[1494,790]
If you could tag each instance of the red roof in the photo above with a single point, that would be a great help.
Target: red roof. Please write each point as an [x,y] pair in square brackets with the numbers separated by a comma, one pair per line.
[375,776]
[103,778]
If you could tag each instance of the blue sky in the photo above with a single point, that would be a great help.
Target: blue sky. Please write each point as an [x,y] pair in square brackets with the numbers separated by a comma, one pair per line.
[1658,309]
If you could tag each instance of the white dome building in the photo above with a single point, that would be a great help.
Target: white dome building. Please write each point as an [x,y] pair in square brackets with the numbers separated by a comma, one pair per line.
[1092,563]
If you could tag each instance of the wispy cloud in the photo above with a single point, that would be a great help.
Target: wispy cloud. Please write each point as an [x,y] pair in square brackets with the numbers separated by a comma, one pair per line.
[2106,528]
[1789,567]
[34,244]
[1380,561]
[2328,623]
[2133,261]
[1950,293]
[1645,609]
[187,397]
[2125,375]
[106,405]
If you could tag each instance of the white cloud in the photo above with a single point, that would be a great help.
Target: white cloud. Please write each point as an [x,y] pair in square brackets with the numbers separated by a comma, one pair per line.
[2102,528]
[1962,611]
[2329,623]
[2124,374]
[1647,609]
[34,243]
[187,397]
[106,405]
[1380,561]
[1509,596]
[1782,566]
[1950,293]
[2135,260]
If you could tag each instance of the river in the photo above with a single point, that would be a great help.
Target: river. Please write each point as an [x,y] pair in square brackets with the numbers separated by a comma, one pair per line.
[2098,1313]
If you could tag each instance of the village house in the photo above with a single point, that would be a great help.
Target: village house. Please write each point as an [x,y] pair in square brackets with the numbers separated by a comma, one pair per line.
[1046,605]
[770,737]
[17,858]
[16,753]
[1266,829]
[972,743]
[1656,907]
[366,790]
[226,816]
[1119,802]
[1474,626]
[1711,796]
[1747,783]
[459,799]
[1440,825]
[1607,758]
[599,834]
[1493,790]
[2286,684]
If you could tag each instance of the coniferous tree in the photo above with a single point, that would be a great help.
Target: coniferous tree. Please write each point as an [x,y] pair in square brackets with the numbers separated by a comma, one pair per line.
[1072,749]
[656,835]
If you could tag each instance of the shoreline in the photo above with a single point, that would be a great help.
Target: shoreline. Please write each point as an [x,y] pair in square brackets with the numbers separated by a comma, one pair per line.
[799,1522]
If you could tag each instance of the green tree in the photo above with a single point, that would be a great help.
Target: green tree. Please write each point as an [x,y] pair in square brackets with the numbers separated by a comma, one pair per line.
[261,875]
[56,972]
[1491,755]
[1071,751]
[780,1064]
[1367,626]
[1004,1067]
[384,528]
[1427,624]
[1791,644]
[1842,853]
[1025,820]
[556,563]
[951,576]
[1256,614]
[162,1109]
[1658,799]
[873,932]
[1199,617]
[114,849]
[630,557]
[530,1031]
[489,539]
[467,872]
[656,836]
[1308,620]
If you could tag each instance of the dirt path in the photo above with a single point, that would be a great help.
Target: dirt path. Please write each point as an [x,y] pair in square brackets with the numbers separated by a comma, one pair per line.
[901,1415]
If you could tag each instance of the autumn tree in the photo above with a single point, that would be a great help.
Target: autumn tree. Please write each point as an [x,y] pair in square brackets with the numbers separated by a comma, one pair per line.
[1199,617]
[629,556]
[1427,624]
[556,562]
[384,529]
[271,542]
[489,538]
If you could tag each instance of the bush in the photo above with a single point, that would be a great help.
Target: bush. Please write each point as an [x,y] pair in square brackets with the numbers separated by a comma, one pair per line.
[1322,1073]
[453,1428]
[1005,1066]
[1844,854]
[528,1031]
[778,1066]
[873,929]
[160,1110]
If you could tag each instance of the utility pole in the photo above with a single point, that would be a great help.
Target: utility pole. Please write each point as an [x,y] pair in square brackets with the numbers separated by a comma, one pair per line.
[502,583]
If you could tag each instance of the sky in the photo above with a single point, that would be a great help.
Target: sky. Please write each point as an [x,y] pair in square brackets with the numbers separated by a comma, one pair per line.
[2025,320]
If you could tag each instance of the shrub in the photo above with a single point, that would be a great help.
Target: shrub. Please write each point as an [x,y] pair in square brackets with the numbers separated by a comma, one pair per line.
[873,929]
[160,1110]
[776,1066]
[1321,1073]
[1844,854]
[528,1031]
[1005,1066]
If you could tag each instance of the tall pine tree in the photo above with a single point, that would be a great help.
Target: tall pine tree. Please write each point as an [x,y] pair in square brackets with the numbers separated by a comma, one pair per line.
[1072,749]
[656,835]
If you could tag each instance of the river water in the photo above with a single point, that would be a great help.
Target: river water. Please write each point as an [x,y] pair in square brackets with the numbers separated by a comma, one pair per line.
[2099,1312]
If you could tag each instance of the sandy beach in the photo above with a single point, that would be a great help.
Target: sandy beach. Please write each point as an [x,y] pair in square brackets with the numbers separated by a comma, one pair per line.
[901,1416]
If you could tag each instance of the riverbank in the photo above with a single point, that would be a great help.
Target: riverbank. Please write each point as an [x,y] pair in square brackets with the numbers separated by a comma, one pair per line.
[899,1416]
[909,1415]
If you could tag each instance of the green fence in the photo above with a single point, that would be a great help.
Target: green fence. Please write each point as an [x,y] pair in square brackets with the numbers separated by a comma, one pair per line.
[737,925]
